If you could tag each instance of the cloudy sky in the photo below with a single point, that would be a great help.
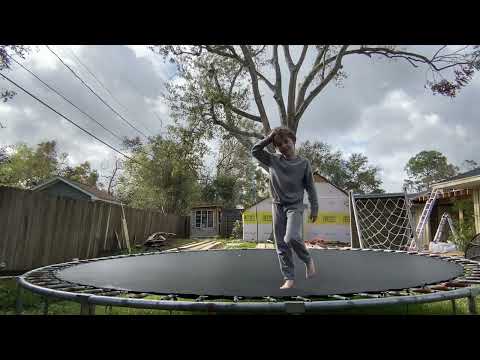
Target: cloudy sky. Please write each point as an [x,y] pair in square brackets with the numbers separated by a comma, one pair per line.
[382,110]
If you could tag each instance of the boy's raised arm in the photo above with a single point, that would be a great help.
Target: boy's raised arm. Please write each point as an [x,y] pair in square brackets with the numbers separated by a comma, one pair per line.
[259,153]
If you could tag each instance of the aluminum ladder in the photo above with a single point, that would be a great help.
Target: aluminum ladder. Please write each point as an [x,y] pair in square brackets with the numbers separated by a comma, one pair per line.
[427,210]
[445,217]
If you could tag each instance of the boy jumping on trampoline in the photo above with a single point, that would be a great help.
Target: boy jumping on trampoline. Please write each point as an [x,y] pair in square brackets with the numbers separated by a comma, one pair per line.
[290,176]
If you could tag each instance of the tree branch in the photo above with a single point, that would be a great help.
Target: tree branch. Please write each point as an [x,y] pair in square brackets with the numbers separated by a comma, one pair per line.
[292,85]
[226,101]
[316,91]
[265,80]
[302,57]
[288,57]
[233,55]
[231,128]
[409,56]
[318,65]
[230,90]
[278,96]
[243,113]
[256,91]
[218,50]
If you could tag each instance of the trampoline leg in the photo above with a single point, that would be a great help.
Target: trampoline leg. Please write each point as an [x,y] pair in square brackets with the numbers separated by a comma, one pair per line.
[472,305]
[45,306]
[19,301]
[86,308]
[454,307]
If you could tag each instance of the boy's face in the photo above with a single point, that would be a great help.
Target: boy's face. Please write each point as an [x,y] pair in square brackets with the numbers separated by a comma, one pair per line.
[285,145]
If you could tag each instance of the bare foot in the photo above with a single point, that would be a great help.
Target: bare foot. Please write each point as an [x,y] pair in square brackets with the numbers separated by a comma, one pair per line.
[287,285]
[310,270]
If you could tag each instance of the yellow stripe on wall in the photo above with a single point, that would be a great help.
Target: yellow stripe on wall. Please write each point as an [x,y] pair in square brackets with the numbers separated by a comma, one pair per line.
[264,217]
[331,218]
[324,218]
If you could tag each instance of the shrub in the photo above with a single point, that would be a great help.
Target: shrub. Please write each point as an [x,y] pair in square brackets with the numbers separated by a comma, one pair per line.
[237,231]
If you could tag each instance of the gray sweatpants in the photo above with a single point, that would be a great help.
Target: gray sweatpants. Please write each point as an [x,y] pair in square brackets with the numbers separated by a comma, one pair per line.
[287,231]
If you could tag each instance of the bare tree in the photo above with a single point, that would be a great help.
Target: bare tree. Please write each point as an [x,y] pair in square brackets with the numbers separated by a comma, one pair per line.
[113,177]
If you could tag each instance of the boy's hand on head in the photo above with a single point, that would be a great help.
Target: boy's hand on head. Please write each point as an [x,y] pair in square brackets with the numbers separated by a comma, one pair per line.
[313,217]
[272,134]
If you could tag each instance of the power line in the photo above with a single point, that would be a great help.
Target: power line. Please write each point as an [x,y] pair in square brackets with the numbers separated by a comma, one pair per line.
[98,81]
[64,98]
[72,122]
[84,83]
[70,102]
[105,87]
[110,93]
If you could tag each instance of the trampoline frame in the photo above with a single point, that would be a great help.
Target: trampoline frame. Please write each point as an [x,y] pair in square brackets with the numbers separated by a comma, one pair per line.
[43,281]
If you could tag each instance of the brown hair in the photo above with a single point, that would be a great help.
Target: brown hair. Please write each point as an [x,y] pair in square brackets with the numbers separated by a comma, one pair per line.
[284,132]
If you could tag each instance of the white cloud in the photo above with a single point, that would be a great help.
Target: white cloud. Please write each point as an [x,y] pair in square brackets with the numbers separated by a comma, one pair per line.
[143,52]
[391,132]
[42,60]
[6,109]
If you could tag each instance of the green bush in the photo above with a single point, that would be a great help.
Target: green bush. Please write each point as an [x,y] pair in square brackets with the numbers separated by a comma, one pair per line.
[466,230]
[237,231]
[465,233]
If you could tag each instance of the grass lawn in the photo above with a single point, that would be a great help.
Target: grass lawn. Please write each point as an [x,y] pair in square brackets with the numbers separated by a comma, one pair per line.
[237,244]
[34,305]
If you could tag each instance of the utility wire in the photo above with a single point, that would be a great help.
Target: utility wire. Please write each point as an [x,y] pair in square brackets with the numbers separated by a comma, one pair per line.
[72,122]
[70,102]
[105,87]
[110,93]
[97,80]
[64,98]
[100,98]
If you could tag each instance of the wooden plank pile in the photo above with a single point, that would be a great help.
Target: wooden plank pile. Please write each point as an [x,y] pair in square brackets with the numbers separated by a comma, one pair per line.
[158,239]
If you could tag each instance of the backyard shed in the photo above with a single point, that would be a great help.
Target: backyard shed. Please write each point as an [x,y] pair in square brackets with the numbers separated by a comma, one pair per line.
[210,220]
[333,216]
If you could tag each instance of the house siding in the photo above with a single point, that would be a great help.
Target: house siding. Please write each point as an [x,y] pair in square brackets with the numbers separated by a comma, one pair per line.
[331,201]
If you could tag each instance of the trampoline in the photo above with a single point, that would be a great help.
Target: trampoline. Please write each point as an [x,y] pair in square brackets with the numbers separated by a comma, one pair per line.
[249,280]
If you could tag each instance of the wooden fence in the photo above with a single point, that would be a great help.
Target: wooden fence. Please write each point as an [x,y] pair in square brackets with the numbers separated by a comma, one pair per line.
[38,230]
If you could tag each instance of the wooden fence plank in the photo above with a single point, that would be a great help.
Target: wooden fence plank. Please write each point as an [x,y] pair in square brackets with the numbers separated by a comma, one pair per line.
[98,233]
[5,210]
[83,230]
[76,228]
[33,237]
[49,230]
[39,230]
[58,231]
[91,227]
[18,227]
[68,252]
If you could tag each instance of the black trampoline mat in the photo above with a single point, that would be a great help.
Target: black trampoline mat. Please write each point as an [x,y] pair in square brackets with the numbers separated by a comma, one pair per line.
[256,273]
